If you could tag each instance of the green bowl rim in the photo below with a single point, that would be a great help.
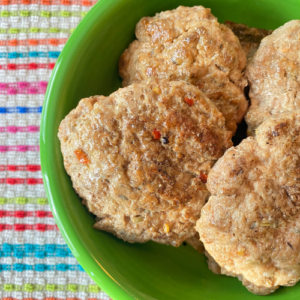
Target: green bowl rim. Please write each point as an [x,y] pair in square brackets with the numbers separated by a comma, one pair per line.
[114,289]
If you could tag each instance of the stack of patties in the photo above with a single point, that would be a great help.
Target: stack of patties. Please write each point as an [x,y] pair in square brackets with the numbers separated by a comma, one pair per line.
[140,158]
[189,44]
[251,223]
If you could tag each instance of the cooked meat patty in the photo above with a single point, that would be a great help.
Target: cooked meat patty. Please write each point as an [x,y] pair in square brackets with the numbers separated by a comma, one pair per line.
[249,37]
[139,158]
[273,75]
[189,44]
[251,223]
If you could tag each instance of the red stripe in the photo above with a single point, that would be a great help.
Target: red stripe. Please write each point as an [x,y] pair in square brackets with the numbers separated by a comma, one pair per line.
[14,168]
[30,66]
[13,181]
[24,214]
[23,227]
[32,42]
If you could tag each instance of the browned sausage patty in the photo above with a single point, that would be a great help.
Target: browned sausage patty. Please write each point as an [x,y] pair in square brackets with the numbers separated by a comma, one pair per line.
[189,44]
[251,223]
[273,75]
[249,37]
[139,158]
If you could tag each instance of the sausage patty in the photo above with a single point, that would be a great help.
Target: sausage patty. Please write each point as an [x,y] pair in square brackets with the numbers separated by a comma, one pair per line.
[273,75]
[189,44]
[251,223]
[140,157]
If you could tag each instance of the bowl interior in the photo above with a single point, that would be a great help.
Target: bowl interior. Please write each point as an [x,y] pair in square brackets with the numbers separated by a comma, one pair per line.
[87,66]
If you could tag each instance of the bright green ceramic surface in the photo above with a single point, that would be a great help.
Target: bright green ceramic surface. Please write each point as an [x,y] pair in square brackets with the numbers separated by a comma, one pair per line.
[87,66]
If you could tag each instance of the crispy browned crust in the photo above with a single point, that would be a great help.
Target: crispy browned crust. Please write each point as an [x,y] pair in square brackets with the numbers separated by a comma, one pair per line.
[189,44]
[139,187]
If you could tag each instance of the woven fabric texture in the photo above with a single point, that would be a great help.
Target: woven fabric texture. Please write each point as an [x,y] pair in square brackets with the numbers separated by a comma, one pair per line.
[35,262]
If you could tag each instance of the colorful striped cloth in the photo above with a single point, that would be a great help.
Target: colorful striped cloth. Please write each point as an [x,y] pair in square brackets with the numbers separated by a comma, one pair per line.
[35,262]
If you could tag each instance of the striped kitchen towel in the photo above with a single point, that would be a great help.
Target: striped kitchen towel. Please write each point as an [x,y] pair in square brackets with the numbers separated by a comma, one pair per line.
[35,262]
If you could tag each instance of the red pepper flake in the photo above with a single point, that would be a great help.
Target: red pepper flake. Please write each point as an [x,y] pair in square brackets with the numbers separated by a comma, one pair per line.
[156,134]
[81,156]
[203,177]
[189,101]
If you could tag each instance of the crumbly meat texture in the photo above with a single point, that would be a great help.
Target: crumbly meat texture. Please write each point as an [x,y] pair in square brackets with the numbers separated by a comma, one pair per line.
[141,154]
[249,37]
[273,75]
[189,44]
[251,223]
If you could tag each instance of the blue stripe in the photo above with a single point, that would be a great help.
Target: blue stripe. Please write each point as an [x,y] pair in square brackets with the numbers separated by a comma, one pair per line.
[20,110]
[13,55]
[37,251]
[40,267]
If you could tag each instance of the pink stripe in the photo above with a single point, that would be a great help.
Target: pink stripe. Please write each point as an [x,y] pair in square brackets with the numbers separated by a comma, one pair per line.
[23,214]
[23,87]
[14,129]
[19,148]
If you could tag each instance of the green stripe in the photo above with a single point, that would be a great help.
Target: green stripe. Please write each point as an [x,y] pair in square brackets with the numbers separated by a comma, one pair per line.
[43,13]
[35,30]
[28,287]
[23,200]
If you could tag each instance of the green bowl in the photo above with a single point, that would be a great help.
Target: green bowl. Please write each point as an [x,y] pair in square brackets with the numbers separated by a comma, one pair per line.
[88,65]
